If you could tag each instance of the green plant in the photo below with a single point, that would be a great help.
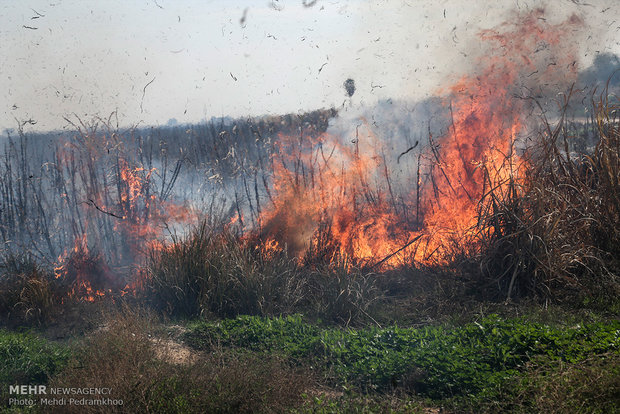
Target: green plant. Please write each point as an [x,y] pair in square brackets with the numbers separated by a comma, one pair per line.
[129,357]
[28,360]
[436,361]
[290,334]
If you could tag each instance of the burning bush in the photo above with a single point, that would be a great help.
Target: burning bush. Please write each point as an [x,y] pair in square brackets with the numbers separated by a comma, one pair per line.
[349,195]
[87,276]
[534,218]
[559,227]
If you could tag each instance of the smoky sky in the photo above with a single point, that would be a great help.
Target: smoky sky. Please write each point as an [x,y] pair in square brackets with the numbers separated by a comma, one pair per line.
[606,67]
[190,60]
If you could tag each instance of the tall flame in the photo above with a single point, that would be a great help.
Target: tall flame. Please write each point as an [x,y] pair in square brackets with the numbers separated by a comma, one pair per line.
[328,196]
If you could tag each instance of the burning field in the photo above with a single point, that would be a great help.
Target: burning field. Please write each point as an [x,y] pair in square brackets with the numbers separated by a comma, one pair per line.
[490,177]
[490,193]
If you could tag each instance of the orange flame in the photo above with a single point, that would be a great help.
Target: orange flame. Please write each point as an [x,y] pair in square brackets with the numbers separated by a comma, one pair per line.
[139,217]
[331,197]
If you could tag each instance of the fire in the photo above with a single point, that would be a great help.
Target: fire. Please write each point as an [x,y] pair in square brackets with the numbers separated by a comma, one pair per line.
[478,153]
[138,217]
[330,195]
[144,215]
[328,202]
[86,274]
[333,196]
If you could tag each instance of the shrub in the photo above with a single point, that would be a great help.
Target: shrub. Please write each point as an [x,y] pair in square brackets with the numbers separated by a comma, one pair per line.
[127,357]
[341,293]
[217,272]
[28,294]
[555,232]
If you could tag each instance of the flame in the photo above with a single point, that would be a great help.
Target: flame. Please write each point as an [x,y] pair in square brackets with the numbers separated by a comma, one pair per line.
[327,202]
[81,269]
[143,213]
[329,195]
[139,218]
[478,153]
[80,246]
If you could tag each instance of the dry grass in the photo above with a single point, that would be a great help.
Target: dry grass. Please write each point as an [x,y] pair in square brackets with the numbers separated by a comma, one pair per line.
[592,385]
[28,294]
[127,357]
[342,294]
[216,272]
[589,386]
[555,233]
[31,296]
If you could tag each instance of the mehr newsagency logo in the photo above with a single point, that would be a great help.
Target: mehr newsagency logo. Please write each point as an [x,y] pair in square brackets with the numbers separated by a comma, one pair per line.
[29,395]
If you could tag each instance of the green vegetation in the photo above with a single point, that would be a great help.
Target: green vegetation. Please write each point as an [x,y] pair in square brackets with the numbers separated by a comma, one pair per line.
[287,364]
[543,269]
[27,359]
[434,361]
[149,375]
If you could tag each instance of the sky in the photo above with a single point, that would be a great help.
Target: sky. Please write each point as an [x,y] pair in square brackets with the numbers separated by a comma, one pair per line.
[152,61]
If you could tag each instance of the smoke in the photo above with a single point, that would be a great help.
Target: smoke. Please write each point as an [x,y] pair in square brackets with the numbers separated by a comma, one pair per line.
[523,60]
[603,68]
[600,78]
[395,132]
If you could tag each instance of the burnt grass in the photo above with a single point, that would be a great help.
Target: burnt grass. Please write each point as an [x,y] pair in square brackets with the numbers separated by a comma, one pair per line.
[525,322]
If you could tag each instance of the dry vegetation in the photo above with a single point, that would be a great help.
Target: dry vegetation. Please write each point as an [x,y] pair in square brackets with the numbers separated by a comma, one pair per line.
[128,355]
[557,233]
[550,240]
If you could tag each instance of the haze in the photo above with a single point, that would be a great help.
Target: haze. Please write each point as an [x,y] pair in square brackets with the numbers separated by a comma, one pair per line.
[164,61]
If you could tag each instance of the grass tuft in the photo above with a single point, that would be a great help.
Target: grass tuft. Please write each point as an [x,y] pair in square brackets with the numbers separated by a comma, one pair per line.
[128,357]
